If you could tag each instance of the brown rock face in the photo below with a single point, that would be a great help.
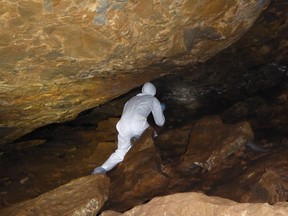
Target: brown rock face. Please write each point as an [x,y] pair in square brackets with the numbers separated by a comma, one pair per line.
[183,204]
[59,58]
[69,199]
[211,142]
[264,181]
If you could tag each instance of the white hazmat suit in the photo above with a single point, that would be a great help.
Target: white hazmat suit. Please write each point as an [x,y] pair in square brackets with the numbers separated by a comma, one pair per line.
[133,123]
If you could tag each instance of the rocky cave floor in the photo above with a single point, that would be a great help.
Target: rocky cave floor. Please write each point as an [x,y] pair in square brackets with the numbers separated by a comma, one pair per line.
[204,152]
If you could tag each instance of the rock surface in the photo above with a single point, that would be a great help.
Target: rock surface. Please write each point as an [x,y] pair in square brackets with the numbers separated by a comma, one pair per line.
[198,204]
[83,196]
[59,58]
[211,142]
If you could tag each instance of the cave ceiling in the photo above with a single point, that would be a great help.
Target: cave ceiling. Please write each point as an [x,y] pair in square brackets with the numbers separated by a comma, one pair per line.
[60,57]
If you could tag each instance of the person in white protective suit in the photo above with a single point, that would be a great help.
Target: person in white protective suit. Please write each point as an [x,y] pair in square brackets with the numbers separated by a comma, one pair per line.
[133,123]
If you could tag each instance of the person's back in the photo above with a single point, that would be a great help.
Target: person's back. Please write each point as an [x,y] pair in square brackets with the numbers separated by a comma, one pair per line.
[138,106]
[136,111]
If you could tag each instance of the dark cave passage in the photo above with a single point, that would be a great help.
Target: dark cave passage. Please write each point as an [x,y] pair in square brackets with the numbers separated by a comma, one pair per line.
[56,154]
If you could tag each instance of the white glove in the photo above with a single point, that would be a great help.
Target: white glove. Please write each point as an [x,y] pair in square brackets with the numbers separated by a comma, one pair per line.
[163,107]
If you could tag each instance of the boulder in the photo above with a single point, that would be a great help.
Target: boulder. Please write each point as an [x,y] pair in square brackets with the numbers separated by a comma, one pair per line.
[172,142]
[197,204]
[211,142]
[82,196]
[264,181]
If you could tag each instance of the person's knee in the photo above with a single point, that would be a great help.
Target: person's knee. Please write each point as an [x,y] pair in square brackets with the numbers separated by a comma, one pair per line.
[134,139]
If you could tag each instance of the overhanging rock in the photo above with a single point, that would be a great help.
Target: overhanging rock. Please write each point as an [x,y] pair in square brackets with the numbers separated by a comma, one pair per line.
[61,57]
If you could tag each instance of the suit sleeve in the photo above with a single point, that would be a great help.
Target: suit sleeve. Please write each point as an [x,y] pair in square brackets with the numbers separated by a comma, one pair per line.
[157,113]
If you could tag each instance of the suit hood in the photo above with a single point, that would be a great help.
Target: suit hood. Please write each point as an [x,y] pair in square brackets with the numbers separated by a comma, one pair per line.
[149,88]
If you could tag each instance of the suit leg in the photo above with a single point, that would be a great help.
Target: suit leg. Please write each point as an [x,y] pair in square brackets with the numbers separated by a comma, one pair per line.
[124,145]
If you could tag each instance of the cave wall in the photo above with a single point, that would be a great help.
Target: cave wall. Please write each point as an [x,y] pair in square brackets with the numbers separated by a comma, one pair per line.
[61,57]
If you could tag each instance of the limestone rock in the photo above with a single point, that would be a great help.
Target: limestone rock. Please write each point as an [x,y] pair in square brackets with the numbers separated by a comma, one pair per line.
[139,177]
[211,142]
[198,204]
[83,196]
[59,58]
